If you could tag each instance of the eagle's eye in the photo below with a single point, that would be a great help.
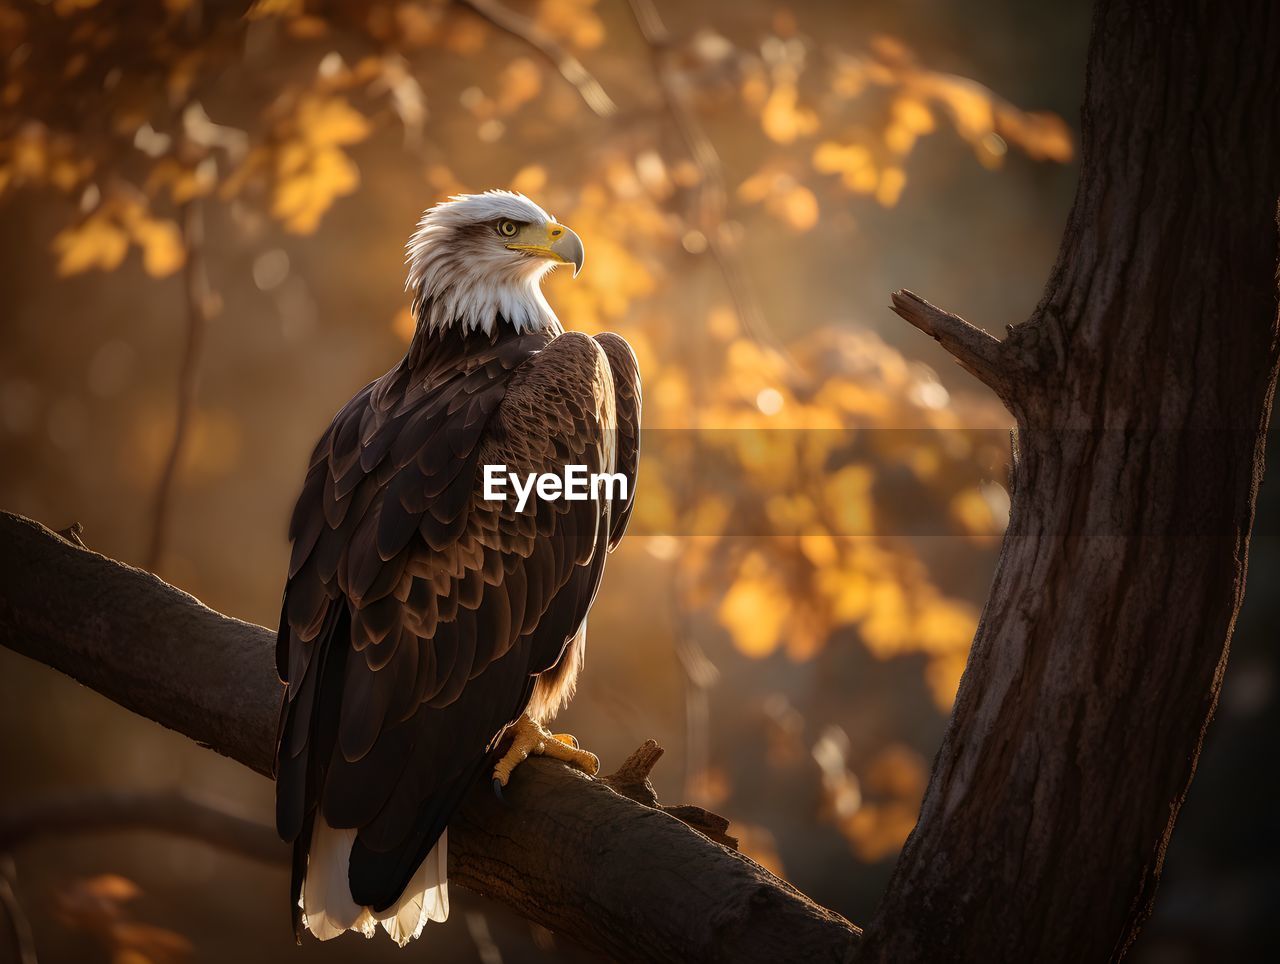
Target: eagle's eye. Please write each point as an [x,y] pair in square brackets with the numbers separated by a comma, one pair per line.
[507,228]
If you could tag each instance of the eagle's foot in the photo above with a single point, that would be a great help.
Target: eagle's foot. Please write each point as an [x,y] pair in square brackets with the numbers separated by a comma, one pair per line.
[530,738]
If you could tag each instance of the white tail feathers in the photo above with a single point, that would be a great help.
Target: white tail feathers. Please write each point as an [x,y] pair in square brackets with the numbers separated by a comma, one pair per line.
[327,907]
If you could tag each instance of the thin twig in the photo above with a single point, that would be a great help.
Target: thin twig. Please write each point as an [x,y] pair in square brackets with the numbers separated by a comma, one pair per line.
[74,534]
[24,941]
[713,195]
[97,811]
[570,67]
[700,674]
[196,290]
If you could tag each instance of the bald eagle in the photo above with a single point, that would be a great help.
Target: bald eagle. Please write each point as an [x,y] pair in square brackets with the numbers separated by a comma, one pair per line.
[427,635]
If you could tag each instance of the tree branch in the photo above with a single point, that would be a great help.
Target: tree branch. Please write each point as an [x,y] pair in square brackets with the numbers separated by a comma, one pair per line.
[632,781]
[195,286]
[167,811]
[978,352]
[570,67]
[565,850]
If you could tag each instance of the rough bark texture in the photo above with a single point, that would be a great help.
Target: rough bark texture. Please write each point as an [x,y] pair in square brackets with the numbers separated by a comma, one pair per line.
[617,874]
[1142,388]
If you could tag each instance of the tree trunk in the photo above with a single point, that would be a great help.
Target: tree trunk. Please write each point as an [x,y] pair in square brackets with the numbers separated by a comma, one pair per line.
[1142,388]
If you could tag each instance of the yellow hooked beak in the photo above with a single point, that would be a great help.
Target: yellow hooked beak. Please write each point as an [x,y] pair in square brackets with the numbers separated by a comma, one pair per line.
[550,240]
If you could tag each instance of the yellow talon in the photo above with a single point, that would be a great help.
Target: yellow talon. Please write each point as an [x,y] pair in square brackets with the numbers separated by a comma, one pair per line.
[530,738]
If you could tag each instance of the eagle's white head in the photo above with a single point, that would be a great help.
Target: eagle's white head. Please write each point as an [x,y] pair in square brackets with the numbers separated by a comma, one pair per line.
[478,257]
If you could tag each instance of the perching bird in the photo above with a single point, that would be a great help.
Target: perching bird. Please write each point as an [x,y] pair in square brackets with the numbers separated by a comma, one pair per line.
[424,629]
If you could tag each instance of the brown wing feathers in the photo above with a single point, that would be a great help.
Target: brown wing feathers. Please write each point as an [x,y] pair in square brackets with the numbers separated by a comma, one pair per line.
[417,615]
[627,400]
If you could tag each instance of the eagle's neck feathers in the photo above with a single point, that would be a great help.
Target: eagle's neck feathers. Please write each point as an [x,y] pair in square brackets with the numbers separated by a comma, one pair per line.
[462,296]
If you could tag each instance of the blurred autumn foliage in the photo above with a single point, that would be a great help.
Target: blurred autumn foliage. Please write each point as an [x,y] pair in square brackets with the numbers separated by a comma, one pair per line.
[783,477]
[98,906]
